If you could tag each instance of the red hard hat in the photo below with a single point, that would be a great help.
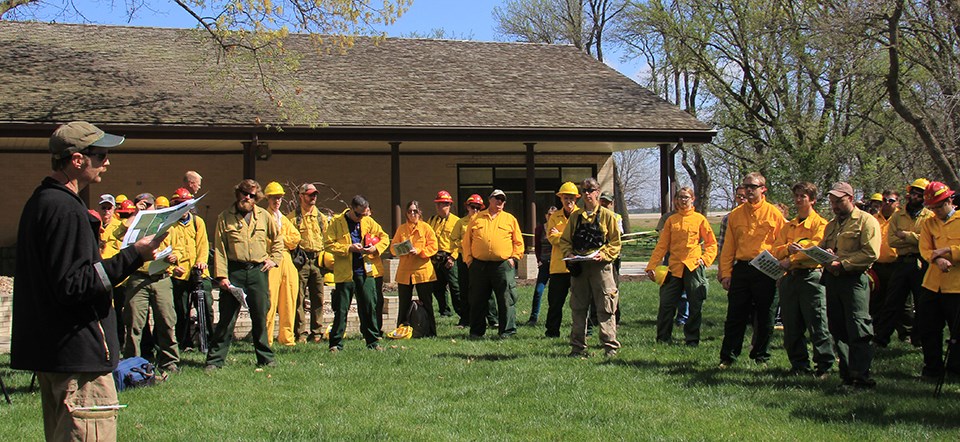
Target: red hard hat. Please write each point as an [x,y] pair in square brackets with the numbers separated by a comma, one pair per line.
[476,199]
[127,206]
[182,194]
[443,197]
[935,193]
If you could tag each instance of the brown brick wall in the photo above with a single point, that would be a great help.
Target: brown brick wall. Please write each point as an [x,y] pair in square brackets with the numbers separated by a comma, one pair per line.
[131,173]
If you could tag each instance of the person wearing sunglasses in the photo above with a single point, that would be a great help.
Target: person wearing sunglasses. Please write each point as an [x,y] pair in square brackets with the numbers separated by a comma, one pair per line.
[312,224]
[593,234]
[64,327]
[415,271]
[906,281]
[350,239]
[247,244]
[886,261]
[752,228]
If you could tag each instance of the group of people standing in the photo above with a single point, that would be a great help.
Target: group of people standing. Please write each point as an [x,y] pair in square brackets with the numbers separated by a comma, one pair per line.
[844,307]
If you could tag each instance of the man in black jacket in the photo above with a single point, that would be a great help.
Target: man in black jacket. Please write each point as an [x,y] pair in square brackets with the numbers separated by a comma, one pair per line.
[64,327]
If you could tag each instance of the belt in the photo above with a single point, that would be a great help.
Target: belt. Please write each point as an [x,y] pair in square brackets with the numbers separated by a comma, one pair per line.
[155,278]
[911,256]
[245,265]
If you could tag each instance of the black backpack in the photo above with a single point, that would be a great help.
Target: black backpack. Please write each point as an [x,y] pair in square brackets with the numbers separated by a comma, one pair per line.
[419,319]
[589,236]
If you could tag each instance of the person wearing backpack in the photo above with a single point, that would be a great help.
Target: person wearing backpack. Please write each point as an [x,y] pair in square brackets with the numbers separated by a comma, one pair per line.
[593,234]
[415,270]
[312,225]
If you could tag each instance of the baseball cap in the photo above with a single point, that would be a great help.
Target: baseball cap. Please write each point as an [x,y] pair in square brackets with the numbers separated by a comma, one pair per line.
[606,196]
[308,189]
[107,198]
[498,192]
[78,135]
[841,189]
[148,197]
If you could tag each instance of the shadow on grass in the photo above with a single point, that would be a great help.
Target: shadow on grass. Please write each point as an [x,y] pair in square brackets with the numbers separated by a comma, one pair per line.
[878,414]
[491,357]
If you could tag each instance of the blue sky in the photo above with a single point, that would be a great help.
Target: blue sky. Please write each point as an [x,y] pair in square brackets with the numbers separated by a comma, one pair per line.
[471,19]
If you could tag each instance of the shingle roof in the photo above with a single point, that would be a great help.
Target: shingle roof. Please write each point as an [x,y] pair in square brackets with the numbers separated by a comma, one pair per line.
[154,76]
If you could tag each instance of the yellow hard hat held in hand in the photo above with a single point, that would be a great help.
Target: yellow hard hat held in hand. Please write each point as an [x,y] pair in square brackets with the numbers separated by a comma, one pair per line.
[660,274]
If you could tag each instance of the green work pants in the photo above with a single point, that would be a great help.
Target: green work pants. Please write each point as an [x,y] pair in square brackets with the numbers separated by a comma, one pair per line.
[145,293]
[803,308]
[365,289]
[694,283]
[498,277]
[463,274]
[447,278]
[257,287]
[849,321]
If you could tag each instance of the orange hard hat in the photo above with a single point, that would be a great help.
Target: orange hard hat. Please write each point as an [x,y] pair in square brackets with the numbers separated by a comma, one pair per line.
[182,194]
[443,197]
[476,199]
[935,193]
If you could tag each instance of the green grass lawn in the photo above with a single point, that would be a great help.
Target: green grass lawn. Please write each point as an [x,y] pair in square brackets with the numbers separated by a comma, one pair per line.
[525,388]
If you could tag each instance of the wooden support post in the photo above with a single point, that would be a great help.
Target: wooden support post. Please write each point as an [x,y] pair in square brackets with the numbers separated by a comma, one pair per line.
[395,185]
[529,199]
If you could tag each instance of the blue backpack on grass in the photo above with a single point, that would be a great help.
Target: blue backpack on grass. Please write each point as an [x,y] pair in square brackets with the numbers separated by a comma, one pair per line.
[134,372]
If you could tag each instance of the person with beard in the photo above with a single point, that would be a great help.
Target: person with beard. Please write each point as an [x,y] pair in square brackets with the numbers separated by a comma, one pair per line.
[753,227]
[247,245]
[689,240]
[854,237]
[906,280]
[64,327]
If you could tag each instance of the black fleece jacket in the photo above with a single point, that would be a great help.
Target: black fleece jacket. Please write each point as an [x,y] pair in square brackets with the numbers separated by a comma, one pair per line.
[63,318]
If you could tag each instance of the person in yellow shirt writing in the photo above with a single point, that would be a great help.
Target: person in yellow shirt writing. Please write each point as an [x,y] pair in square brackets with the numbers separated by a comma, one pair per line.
[854,237]
[803,302]
[689,239]
[939,304]
[354,272]
[415,270]
[491,246]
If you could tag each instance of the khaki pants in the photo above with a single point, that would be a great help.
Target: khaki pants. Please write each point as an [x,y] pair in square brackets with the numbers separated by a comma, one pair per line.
[146,293]
[594,285]
[62,394]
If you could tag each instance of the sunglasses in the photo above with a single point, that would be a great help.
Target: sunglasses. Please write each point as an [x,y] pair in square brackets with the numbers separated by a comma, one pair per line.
[498,197]
[590,190]
[247,194]
[99,156]
[752,186]
[890,200]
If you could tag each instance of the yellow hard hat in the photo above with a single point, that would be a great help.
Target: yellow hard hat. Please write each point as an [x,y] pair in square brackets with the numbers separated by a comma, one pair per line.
[273,188]
[569,188]
[328,279]
[919,183]
[876,197]
[121,198]
[326,261]
[401,332]
[660,274]
[162,202]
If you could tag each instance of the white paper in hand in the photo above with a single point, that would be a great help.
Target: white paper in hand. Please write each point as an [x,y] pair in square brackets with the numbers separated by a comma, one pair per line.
[768,265]
[241,296]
